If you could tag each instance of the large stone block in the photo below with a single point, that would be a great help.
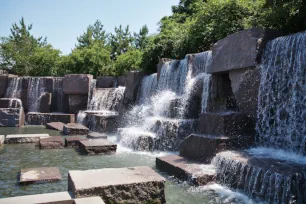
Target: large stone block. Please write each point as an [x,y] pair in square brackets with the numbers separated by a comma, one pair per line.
[97,146]
[245,86]
[73,141]
[119,185]
[121,80]
[10,103]
[55,126]
[75,129]
[205,147]
[185,169]
[77,83]
[3,84]
[102,123]
[11,117]
[45,102]
[77,103]
[42,174]
[240,50]
[24,138]
[54,142]
[231,124]
[106,82]
[91,200]
[44,118]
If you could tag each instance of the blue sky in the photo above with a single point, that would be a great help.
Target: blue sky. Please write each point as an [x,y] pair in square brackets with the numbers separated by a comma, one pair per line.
[62,21]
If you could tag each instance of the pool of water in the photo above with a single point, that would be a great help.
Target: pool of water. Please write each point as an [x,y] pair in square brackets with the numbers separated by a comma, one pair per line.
[14,157]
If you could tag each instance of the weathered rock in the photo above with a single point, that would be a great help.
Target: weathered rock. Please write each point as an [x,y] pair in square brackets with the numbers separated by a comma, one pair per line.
[10,103]
[77,103]
[144,143]
[48,198]
[77,84]
[102,122]
[132,185]
[42,174]
[231,124]
[96,135]
[54,142]
[91,200]
[106,82]
[24,138]
[75,129]
[97,146]
[240,50]
[2,138]
[205,147]
[3,84]
[73,141]
[121,80]
[160,64]
[11,117]
[44,118]
[55,126]
[45,102]
[245,86]
[185,169]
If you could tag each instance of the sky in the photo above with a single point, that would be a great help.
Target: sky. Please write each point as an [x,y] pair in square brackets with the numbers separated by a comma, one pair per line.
[62,21]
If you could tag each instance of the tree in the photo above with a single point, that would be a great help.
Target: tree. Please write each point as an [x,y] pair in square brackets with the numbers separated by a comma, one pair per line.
[141,38]
[130,60]
[120,41]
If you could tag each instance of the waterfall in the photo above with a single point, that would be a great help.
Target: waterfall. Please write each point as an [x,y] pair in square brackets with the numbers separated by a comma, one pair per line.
[58,94]
[36,88]
[282,95]
[14,88]
[206,92]
[147,88]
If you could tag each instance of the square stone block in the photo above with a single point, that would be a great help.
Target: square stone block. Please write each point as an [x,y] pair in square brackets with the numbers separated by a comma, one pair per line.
[41,174]
[44,118]
[73,141]
[96,135]
[97,146]
[55,126]
[75,129]
[24,138]
[77,83]
[53,142]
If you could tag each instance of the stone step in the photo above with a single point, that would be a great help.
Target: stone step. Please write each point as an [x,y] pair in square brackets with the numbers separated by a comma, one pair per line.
[91,200]
[48,198]
[142,184]
[10,103]
[196,173]
[205,147]
[75,129]
[73,141]
[103,122]
[24,138]
[12,117]
[2,138]
[55,126]
[97,146]
[53,142]
[40,174]
[44,118]
[230,124]
[96,135]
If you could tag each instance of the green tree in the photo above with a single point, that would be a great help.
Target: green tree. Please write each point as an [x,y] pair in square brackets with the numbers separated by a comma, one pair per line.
[141,38]
[130,60]
[120,41]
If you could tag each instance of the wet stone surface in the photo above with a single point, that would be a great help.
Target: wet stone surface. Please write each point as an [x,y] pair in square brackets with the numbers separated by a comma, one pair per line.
[96,135]
[73,141]
[97,146]
[55,126]
[53,142]
[41,174]
[75,129]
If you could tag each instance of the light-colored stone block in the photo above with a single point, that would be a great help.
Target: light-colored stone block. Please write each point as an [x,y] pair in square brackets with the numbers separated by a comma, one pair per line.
[2,138]
[91,200]
[25,138]
[41,174]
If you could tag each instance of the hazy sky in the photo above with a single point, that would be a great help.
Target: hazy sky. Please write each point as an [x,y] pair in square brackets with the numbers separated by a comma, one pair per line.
[62,21]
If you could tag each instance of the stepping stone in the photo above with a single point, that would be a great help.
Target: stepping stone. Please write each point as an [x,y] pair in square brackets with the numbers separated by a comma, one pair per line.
[96,135]
[141,184]
[73,141]
[54,142]
[55,126]
[2,138]
[42,174]
[198,174]
[48,198]
[44,118]
[24,138]
[91,200]
[97,146]
[75,129]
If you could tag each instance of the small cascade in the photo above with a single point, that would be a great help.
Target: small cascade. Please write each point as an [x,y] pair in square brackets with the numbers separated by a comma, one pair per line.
[206,92]
[58,94]
[14,88]
[36,88]
[148,88]
[93,86]
[81,117]
[282,95]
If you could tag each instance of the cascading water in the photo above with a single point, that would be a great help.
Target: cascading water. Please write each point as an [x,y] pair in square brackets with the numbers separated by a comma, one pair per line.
[14,88]
[36,87]
[163,104]
[58,94]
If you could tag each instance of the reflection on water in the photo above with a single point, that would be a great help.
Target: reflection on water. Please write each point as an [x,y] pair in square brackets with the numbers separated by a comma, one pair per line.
[16,156]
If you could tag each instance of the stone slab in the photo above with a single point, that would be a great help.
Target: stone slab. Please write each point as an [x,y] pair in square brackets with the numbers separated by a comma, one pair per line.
[97,146]
[53,142]
[142,184]
[48,198]
[96,135]
[44,118]
[24,138]
[198,174]
[121,80]
[55,126]
[106,82]
[11,117]
[10,103]
[103,123]
[91,200]
[73,141]
[77,103]
[205,147]
[2,138]
[3,84]
[77,83]
[75,129]
[41,174]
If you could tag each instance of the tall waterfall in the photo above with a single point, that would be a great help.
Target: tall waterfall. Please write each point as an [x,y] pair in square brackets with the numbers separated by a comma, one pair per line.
[163,104]
[282,96]
[36,87]
[58,94]
[14,88]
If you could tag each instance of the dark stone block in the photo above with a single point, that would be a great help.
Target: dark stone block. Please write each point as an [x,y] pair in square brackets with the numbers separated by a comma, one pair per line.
[3,84]
[53,142]
[98,146]
[102,123]
[55,126]
[73,141]
[185,169]
[10,103]
[77,103]
[106,82]
[45,102]
[77,84]
[75,129]
[11,117]
[44,118]
[122,80]
[240,50]
[42,174]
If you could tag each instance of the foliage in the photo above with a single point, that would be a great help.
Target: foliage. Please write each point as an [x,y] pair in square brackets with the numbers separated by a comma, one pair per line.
[128,61]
